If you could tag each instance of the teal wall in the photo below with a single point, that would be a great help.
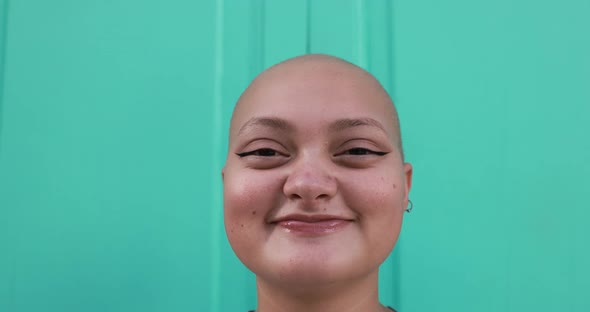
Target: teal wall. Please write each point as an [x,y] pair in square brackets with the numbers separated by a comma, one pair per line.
[113,118]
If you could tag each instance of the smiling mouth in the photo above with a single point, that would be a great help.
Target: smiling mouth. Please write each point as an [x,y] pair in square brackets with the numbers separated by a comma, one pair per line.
[319,227]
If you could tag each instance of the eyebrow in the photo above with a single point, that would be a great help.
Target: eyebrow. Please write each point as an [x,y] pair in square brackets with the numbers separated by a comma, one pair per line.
[338,125]
[269,122]
[343,124]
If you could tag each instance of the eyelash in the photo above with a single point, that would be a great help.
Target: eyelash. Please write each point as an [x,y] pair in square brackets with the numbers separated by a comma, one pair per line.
[259,152]
[353,151]
[364,151]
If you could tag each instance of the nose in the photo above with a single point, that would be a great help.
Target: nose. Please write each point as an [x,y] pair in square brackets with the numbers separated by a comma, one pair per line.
[310,180]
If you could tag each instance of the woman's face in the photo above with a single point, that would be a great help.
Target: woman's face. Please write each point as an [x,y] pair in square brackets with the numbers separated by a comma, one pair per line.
[314,185]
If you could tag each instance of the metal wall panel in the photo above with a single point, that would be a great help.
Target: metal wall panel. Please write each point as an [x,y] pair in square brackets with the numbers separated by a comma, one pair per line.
[494,103]
[106,158]
[113,132]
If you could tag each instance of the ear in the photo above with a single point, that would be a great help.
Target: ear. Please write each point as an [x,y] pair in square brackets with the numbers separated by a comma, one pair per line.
[408,171]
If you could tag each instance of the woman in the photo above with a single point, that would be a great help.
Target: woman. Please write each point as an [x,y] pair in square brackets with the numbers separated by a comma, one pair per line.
[315,185]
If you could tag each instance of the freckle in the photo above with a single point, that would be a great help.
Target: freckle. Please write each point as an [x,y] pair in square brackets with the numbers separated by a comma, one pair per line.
[394,186]
[253,212]
[241,225]
[325,209]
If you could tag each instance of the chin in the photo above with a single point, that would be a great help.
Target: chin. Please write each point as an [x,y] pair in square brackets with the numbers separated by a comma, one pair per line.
[309,270]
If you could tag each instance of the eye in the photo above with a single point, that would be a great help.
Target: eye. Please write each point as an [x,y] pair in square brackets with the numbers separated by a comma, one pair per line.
[263,158]
[262,152]
[359,157]
[360,151]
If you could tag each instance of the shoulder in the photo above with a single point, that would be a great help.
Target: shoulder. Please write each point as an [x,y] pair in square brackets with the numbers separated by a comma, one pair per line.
[392,309]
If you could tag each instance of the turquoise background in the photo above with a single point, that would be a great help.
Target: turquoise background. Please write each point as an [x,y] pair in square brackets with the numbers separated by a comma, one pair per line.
[113,126]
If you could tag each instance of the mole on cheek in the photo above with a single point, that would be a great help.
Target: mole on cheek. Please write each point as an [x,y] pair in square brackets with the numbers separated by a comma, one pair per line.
[253,212]
[394,186]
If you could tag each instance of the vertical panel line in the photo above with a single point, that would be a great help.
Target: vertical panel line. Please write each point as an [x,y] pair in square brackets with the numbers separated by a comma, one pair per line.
[389,34]
[361,37]
[216,215]
[261,25]
[307,27]
[13,235]
[3,49]
[257,46]
[396,272]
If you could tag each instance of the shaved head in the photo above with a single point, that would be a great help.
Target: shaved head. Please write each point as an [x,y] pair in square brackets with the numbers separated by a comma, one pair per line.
[315,185]
[310,72]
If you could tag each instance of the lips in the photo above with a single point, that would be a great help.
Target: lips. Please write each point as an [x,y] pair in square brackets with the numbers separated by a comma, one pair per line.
[312,225]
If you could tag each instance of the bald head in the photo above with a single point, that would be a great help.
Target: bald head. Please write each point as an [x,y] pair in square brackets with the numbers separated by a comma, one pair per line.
[330,83]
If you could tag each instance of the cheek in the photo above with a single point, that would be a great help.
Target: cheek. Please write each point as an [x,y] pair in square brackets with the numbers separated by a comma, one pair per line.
[247,199]
[377,194]
[378,199]
[244,193]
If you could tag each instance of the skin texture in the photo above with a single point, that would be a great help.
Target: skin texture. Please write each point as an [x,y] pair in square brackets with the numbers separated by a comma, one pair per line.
[315,136]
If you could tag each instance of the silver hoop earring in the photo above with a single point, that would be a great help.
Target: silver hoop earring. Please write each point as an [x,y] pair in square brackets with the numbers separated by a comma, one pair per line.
[409,209]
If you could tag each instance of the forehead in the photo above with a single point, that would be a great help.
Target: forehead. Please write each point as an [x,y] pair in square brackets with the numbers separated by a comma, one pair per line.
[315,96]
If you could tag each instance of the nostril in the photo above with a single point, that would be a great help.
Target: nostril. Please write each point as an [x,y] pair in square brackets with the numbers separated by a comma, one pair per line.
[307,184]
[322,196]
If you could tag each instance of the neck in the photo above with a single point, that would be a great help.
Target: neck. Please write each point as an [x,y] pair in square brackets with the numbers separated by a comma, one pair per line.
[352,296]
